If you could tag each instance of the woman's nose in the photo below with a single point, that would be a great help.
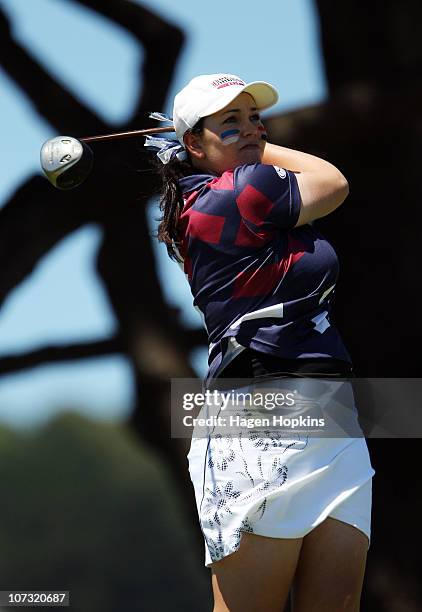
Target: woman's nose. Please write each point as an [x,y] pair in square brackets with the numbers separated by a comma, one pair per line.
[249,128]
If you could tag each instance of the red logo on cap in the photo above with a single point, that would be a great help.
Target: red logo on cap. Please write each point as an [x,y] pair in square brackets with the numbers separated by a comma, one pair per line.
[226,81]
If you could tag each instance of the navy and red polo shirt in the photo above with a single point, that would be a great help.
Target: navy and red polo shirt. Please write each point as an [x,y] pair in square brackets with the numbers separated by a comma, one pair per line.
[258,281]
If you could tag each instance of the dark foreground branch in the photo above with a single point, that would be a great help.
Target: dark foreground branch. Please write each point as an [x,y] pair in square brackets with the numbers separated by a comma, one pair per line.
[10,364]
[58,353]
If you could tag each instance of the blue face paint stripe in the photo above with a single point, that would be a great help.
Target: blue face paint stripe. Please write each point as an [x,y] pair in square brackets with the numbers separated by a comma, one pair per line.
[228,133]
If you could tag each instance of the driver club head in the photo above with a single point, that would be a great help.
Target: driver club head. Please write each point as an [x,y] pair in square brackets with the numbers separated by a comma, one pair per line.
[66,161]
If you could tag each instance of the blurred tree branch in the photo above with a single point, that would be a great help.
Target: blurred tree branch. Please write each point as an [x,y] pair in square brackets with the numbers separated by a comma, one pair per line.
[37,217]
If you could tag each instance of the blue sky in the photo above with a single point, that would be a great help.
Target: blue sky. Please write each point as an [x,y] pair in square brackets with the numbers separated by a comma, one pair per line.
[62,301]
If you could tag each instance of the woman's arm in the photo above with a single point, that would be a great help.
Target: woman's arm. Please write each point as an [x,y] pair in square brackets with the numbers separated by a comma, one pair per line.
[322,186]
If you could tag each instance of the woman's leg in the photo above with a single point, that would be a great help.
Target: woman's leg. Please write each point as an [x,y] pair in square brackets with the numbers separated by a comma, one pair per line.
[257,576]
[330,569]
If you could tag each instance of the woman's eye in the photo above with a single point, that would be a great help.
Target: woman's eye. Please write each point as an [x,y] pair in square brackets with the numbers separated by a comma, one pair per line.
[231,119]
[256,118]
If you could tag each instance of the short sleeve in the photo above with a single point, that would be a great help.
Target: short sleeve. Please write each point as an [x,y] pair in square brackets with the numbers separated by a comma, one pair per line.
[267,196]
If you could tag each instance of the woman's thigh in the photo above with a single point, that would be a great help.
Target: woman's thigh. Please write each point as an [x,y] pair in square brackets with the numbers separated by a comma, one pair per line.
[330,570]
[257,577]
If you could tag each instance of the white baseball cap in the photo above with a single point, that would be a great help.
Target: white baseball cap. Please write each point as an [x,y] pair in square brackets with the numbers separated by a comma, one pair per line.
[208,93]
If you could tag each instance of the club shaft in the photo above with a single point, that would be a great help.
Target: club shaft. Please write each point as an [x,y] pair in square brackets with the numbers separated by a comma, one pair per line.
[132,134]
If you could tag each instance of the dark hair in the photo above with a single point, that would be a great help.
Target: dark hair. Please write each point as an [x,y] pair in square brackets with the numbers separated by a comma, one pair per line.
[171,201]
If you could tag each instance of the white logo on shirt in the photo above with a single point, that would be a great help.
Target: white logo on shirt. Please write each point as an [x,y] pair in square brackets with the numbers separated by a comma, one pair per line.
[280,171]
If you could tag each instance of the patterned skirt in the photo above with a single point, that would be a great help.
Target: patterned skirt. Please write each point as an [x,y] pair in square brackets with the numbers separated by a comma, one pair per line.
[276,483]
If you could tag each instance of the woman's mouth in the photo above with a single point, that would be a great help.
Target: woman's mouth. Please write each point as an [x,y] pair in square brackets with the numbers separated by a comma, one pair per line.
[249,146]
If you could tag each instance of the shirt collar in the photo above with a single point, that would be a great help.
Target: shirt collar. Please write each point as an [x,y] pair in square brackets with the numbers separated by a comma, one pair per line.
[195,181]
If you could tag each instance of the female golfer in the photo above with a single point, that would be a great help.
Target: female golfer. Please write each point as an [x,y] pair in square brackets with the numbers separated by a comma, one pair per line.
[278,512]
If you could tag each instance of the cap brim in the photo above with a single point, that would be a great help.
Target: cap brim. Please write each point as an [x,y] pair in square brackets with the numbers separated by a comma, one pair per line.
[264,94]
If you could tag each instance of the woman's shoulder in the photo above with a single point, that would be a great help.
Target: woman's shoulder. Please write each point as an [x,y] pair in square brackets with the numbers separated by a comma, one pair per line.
[262,177]
[232,180]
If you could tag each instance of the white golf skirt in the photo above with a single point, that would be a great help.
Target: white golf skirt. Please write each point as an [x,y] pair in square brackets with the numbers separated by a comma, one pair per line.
[274,483]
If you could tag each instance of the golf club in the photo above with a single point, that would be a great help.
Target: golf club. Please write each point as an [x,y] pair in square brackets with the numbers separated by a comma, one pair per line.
[67,161]
[131,134]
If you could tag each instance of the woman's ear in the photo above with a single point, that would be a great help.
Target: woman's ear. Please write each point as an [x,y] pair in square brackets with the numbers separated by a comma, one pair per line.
[193,145]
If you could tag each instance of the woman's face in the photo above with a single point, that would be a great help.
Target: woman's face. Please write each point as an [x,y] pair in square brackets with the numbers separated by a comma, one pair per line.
[231,137]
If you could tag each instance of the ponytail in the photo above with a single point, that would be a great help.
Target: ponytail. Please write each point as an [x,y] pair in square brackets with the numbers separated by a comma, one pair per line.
[171,201]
